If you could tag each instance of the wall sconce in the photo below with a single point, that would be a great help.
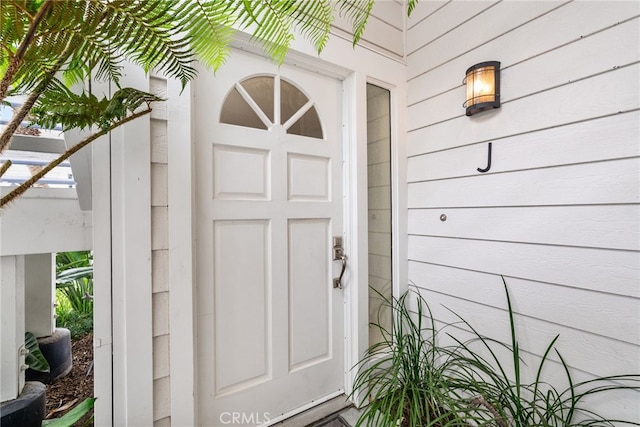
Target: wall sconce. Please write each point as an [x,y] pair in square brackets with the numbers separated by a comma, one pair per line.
[483,87]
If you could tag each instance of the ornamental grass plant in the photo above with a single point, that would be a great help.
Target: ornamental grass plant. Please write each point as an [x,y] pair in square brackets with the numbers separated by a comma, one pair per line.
[410,379]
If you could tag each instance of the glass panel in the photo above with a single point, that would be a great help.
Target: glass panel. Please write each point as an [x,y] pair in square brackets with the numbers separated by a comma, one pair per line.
[236,111]
[291,100]
[261,90]
[307,125]
[379,209]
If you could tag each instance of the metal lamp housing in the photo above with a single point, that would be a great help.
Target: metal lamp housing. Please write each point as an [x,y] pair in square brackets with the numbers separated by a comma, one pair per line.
[483,87]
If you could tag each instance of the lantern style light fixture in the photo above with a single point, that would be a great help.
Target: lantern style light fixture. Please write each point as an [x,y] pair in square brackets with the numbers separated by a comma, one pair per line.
[483,87]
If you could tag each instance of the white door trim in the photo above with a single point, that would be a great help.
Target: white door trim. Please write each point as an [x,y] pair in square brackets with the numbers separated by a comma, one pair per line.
[181,221]
[355,223]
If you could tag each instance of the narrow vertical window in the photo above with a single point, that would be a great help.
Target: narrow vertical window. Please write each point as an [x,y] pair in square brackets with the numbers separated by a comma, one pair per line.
[379,208]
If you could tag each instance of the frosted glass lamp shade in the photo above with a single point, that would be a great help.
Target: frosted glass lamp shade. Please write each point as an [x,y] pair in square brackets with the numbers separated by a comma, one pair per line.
[483,87]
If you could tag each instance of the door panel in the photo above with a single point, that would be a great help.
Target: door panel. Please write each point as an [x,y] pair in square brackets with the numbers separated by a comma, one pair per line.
[241,304]
[309,317]
[268,202]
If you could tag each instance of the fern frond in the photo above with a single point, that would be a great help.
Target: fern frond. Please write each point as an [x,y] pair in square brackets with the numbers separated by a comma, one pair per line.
[146,33]
[357,11]
[61,106]
[411,6]
[313,19]
[273,24]
[209,27]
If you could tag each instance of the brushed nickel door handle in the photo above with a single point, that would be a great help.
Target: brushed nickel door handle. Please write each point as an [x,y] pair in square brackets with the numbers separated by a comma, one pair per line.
[337,282]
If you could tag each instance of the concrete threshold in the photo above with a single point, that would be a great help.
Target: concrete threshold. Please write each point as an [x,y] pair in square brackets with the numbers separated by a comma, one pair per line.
[337,412]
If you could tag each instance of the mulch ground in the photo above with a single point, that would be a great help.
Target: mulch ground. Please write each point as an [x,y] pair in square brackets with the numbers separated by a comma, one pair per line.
[67,392]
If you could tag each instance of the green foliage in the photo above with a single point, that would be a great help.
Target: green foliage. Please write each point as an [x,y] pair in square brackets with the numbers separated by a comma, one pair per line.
[357,11]
[96,36]
[73,416]
[60,105]
[46,46]
[408,376]
[34,358]
[74,292]
[79,323]
[411,380]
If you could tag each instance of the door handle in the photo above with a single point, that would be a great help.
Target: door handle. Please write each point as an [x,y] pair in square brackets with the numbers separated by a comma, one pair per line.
[338,255]
[337,282]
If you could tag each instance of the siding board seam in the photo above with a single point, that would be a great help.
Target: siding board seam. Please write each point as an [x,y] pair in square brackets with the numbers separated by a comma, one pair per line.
[565,44]
[579,79]
[506,67]
[409,79]
[528,316]
[477,174]
[369,45]
[519,133]
[560,205]
[527,243]
[452,29]
[530,131]
[378,18]
[527,95]
[525,206]
[528,279]
[429,15]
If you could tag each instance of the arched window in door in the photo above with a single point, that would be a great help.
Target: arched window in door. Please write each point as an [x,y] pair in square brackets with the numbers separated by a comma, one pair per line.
[263,102]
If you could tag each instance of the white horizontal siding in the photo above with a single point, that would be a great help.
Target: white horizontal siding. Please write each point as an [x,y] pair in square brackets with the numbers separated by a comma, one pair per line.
[593,226]
[558,214]
[547,33]
[594,269]
[539,300]
[575,143]
[160,253]
[384,32]
[598,96]
[610,182]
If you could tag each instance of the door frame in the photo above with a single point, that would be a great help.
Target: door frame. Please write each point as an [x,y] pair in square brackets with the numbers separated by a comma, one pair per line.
[354,76]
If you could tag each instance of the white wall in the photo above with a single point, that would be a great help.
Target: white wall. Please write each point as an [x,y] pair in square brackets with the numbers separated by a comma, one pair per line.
[384,32]
[558,212]
[45,220]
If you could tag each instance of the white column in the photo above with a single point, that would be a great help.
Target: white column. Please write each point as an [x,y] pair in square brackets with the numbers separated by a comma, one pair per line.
[40,294]
[11,327]
[131,265]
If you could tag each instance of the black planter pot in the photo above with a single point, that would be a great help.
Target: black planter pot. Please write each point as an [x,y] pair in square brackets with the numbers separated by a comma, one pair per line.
[27,410]
[57,350]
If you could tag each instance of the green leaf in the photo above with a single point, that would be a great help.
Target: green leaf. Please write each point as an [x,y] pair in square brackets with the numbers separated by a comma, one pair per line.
[34,358]
[66,276]
[71,110]
[73,415]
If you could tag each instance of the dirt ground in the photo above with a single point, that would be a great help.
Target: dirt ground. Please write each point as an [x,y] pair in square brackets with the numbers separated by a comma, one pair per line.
[68,391]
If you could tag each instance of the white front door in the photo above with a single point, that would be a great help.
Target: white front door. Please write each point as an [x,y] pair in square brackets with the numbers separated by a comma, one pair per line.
[270,326]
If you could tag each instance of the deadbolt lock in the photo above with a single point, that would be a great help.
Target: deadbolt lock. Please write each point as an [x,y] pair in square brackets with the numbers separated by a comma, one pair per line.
[338,250]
